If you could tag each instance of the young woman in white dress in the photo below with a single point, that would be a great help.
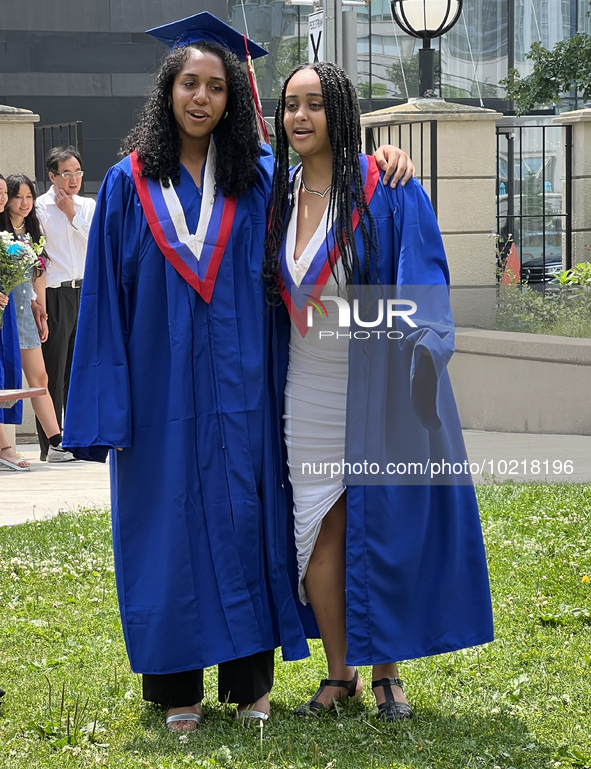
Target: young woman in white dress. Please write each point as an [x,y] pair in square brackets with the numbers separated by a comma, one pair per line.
[391,571]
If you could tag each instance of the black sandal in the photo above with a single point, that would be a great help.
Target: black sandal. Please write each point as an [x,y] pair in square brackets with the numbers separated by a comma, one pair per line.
[313,707]
[390,710]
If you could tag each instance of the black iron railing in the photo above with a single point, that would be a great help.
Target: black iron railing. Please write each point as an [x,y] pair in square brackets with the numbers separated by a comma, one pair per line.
[534,199]
[417,139]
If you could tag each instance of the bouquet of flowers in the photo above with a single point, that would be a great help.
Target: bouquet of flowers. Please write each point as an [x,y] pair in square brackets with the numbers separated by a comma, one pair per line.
[17,258]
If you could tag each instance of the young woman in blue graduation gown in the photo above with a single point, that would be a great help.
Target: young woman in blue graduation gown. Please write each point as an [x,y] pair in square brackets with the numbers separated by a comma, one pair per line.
[395,571]
[171,369]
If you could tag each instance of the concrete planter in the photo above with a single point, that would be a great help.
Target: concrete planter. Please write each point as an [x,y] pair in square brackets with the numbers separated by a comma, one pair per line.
[522,383]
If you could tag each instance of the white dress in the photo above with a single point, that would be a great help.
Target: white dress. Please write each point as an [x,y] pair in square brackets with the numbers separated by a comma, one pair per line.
[315,404]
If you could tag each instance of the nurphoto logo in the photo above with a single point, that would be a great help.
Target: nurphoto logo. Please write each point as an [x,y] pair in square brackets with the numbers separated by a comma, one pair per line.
[390,309]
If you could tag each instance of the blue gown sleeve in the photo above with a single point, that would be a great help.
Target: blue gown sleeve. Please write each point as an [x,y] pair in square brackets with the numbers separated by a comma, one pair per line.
[422,276]
[98,414]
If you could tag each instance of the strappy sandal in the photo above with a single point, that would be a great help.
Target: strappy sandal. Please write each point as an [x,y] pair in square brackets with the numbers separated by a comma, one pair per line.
[313,707]
[195,717]
[251,715]
[14,465]
[390,710]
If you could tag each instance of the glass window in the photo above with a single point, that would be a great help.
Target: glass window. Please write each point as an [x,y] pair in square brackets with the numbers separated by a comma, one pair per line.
[548,21]
[474,53]
[469,61]
[281,29]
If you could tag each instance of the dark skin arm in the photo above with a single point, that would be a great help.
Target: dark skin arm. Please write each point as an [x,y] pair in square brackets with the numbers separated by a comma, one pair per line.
[396,164]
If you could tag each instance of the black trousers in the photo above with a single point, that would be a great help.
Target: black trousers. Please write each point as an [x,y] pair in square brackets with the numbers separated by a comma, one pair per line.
[239,681]
[63,305]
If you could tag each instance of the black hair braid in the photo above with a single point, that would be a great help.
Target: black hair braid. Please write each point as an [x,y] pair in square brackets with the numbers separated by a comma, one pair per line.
[281,205]
[156,137]
[344,131]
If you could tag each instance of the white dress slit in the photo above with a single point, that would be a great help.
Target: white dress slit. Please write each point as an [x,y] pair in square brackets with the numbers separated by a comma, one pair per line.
[315,403]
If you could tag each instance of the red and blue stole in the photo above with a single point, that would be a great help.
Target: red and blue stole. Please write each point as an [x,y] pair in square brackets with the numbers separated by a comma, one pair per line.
[299,298]
[196,257]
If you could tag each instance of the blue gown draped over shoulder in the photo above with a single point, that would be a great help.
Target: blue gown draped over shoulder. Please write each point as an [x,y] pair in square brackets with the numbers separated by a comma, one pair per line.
[183,388]
[416,574]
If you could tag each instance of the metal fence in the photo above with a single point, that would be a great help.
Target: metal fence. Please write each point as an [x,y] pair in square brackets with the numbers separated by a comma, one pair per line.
[419,140]
[534,199]
[56,135]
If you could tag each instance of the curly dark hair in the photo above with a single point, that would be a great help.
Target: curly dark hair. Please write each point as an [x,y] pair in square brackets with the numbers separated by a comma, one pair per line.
[156,137]
[344,131]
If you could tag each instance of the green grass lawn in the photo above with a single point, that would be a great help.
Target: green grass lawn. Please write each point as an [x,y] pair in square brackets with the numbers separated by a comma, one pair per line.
[523,701]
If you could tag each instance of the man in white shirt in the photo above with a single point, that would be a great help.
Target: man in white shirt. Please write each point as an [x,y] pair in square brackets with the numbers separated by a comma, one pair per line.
[66,218]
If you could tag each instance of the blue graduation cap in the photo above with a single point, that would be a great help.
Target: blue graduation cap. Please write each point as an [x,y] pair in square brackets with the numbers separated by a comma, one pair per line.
[206,26]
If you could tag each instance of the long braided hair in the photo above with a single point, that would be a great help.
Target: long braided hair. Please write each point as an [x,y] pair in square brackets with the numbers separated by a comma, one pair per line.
[344,131]
[156,137]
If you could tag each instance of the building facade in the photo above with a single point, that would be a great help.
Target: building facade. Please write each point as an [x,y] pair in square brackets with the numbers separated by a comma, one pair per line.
[90,60]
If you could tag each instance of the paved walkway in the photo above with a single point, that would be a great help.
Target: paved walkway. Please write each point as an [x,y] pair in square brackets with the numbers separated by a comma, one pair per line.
[49,488]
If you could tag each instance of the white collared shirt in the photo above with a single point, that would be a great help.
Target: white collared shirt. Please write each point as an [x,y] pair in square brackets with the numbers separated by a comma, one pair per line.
[65,243]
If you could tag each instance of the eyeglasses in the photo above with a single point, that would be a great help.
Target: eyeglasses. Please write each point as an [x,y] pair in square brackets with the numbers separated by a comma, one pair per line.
[67,175]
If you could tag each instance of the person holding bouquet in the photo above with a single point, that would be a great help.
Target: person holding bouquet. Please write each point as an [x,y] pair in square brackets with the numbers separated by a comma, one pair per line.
[10,360]
[21,220]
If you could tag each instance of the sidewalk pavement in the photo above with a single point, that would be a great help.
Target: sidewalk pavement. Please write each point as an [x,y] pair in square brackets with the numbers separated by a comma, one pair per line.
[49,488]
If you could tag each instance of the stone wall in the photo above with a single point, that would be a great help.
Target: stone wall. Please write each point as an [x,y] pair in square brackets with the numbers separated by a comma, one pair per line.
[522,383]
[466,177]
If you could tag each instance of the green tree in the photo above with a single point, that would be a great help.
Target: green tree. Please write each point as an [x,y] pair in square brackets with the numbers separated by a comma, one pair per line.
[377,90]
[284,55]
[411,74]
[567,67]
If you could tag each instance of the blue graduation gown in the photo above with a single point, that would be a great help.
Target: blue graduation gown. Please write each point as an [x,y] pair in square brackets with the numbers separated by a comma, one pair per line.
[10,364]
[416,574]
[183,387]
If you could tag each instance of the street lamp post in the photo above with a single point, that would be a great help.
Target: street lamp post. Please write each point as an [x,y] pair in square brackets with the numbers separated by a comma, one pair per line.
[426,19]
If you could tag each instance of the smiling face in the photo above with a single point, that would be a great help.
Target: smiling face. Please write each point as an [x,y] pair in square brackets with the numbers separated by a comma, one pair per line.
[304,118]
[21,204]
[199,95]
[3,194]
[69,186]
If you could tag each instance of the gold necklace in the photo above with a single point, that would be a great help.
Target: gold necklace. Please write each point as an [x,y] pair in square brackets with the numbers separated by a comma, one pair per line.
[315,192]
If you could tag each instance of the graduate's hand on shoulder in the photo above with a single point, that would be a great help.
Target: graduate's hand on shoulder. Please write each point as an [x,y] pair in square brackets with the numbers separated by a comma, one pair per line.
[3,299]
[396,164]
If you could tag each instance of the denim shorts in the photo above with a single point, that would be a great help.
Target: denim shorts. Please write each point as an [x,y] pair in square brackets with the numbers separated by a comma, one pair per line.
[28,336]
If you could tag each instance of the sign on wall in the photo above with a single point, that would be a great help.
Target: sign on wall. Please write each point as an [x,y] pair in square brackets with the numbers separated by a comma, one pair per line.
[316,42]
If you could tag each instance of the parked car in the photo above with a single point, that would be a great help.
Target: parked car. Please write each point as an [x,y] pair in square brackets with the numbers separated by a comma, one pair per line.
[538,273]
